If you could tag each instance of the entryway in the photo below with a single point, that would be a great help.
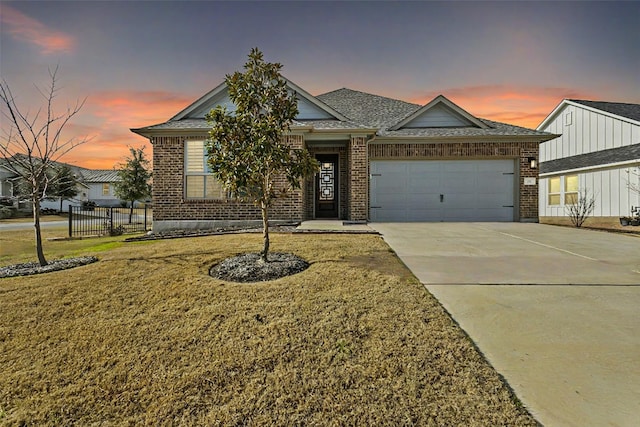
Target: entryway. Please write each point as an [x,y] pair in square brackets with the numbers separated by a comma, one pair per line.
[327,187]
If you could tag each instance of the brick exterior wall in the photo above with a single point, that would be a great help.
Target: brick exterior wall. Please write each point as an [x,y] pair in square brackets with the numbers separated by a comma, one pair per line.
[354,157]
[168,189]
[527,194]
[358,179]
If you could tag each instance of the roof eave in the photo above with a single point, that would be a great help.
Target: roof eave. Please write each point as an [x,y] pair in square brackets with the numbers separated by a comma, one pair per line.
[199,102]
[552,116]
[478,138]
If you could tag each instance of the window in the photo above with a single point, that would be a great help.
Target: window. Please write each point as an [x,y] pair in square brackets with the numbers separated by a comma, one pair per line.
[199,183]
[568,118]
[570,189]
[554,190]
[105,189]
[563,190]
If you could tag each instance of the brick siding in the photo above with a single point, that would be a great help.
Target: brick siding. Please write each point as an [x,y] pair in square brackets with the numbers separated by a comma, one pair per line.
[358,179]
[168,189]
[354,157]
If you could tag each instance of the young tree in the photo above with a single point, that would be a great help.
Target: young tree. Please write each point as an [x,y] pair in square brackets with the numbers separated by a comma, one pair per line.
[134,178]
[580,208]
[63,185]
[33,143]
[245,148]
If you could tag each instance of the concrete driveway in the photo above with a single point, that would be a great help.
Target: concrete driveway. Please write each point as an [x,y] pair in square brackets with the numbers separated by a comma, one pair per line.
[555,310]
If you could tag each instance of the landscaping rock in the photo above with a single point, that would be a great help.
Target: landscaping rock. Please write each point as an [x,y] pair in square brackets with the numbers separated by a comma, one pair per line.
[251,268]
[30,268]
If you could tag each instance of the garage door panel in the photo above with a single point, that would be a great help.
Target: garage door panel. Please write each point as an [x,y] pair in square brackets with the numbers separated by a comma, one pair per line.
[431,215]
[422,201]
[448,190]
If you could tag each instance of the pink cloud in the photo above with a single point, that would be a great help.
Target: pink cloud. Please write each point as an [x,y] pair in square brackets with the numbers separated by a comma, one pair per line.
[108,116]
[519,105]
[137,108]
[22,27]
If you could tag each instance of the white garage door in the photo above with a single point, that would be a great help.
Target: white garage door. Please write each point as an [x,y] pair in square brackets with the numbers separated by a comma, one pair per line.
[446,190]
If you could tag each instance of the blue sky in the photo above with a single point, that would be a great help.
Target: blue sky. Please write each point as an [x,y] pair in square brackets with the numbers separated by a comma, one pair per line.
[138,63]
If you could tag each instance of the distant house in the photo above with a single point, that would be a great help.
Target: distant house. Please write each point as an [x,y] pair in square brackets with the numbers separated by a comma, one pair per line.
[101,186]
[93,185]
[381,159]
[597,150]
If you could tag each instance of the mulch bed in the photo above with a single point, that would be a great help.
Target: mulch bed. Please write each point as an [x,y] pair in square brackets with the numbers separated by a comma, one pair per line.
[251,268]
[30,268]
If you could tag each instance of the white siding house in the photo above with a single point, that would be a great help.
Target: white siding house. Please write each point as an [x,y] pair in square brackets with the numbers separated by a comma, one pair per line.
[597,151]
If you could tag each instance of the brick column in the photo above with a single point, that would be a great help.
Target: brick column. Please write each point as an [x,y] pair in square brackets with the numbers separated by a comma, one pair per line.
[168,171]
[528,193]
[293,206]
[358,180]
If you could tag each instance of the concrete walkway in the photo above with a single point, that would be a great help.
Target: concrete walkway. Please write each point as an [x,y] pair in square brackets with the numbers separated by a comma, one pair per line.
[333,225]
[564,326]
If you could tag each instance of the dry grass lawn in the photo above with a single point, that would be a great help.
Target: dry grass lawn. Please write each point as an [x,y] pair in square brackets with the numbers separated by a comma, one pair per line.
[146,337]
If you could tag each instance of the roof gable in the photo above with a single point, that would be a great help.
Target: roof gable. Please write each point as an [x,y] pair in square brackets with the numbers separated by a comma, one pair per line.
[439,113]
[309,107]
[617,110]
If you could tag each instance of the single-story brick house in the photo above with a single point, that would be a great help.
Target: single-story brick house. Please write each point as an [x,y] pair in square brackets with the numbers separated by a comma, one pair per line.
[382,160]
[598,151]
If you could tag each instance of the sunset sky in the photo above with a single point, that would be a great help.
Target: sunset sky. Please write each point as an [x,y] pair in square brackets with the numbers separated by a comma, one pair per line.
[139,63]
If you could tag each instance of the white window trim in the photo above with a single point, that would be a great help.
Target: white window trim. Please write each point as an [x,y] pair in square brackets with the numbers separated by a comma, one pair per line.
[563,190]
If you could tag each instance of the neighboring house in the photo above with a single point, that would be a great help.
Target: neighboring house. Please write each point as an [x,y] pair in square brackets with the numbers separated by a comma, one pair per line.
[101,186]
[381,160]
[597,151]
[93,185]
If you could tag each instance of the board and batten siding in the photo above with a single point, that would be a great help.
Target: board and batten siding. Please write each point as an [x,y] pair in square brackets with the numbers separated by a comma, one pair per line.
[608,187]
[584,131]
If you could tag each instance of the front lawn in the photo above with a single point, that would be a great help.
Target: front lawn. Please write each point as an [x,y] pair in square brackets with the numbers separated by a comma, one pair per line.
[145,336]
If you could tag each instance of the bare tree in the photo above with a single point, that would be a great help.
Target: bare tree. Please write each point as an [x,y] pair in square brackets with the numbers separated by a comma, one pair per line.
[580,207]
[33,143]
[631,173]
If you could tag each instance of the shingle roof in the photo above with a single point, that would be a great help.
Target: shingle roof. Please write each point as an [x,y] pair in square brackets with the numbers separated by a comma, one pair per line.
[495,129]
[384,113]
[368,109]
[205,126]
[597,158]
[630,111]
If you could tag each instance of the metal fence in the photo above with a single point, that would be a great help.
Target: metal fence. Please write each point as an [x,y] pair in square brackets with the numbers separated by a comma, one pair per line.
[99,221]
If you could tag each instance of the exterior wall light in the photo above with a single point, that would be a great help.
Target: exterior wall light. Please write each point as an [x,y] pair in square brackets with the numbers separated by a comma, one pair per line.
[533,163]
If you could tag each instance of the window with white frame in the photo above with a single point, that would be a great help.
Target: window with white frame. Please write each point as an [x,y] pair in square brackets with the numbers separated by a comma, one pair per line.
[563,190]
[570,189]
[106,189]
[199,183]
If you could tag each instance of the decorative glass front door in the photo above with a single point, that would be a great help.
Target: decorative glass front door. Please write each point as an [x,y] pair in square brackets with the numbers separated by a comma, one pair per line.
[327,186]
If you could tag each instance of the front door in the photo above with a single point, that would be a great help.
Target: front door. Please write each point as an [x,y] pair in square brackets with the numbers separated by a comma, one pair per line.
[327,186]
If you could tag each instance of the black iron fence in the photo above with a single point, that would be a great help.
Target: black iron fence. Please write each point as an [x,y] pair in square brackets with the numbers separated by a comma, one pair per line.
[99,221]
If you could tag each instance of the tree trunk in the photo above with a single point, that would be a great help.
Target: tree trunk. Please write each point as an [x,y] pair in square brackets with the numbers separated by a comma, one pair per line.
[131,211]
[36,223]
[61,200]
[265,230]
